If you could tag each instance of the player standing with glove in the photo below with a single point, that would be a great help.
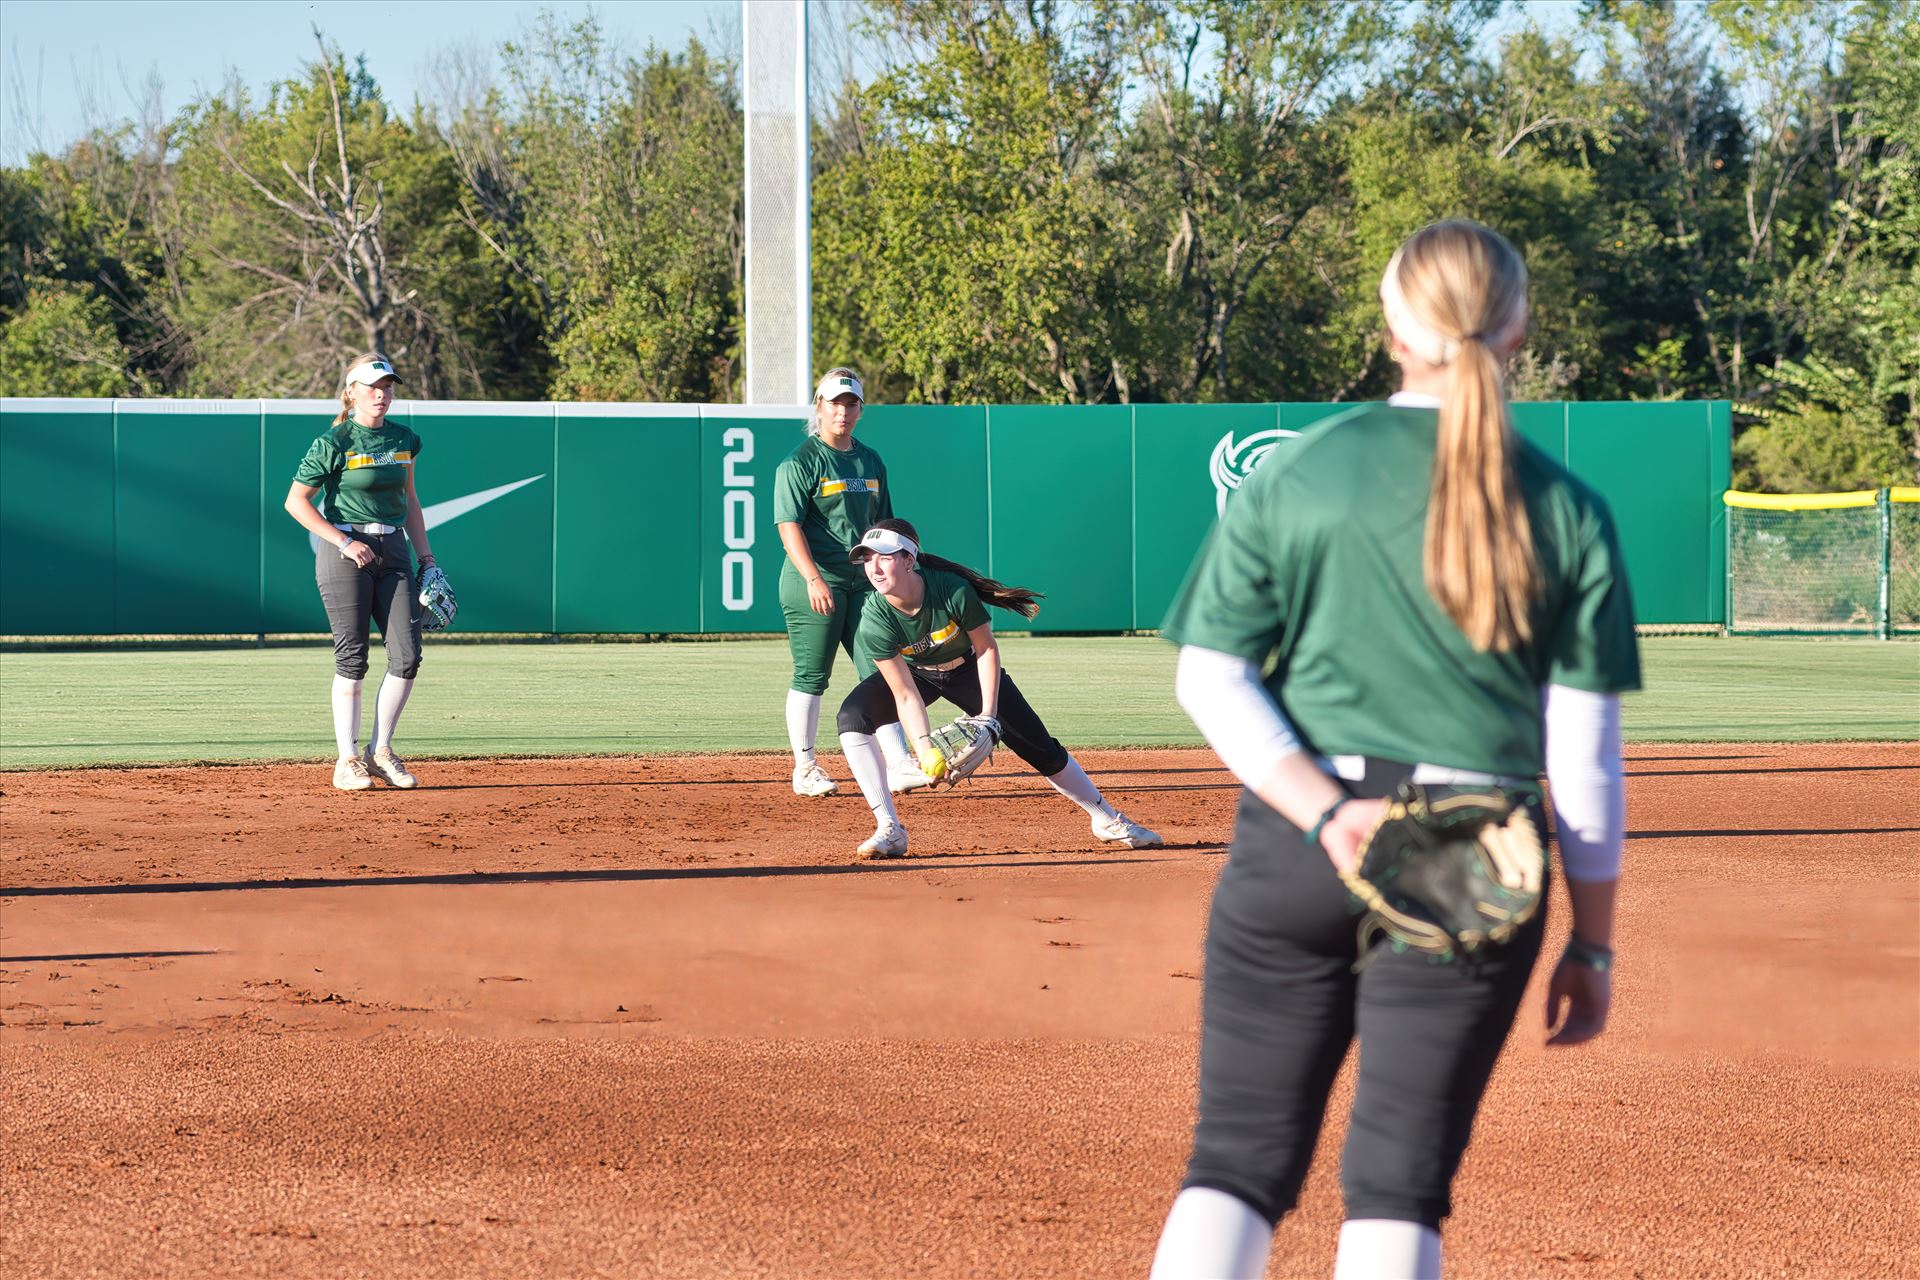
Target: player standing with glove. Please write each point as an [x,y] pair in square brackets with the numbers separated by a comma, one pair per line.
[1407,600]
[827,491]
[368,530]
[925,628]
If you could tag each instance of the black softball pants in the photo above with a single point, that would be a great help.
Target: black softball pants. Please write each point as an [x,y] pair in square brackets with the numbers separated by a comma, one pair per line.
[355,597]
[1281,1004]
[871,705]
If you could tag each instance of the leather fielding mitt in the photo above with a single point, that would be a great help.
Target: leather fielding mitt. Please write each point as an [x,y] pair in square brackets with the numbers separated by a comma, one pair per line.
[963,746]
[1450,876]
[437,603]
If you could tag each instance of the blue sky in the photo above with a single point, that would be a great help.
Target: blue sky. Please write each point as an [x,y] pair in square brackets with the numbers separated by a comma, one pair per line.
[66,65]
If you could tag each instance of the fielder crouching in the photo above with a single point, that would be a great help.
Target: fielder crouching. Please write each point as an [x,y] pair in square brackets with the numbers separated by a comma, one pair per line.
[925,628]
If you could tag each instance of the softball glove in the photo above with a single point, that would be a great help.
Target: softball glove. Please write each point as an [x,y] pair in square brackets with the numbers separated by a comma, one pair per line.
[1450,876]
[437,603]
[963,746]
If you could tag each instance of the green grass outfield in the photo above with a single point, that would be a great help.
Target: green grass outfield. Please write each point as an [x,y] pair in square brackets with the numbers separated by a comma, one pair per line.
[121,705]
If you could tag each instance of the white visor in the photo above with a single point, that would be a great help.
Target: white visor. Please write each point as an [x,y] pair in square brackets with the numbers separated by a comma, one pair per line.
[882,542]
[368,372]
[835,385]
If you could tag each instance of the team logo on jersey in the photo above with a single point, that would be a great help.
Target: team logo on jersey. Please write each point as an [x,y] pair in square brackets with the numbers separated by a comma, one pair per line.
[391,458]
[932,642]
[834,488]
[1232,463]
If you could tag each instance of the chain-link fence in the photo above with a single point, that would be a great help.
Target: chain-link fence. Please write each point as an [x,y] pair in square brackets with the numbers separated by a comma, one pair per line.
[1835,563]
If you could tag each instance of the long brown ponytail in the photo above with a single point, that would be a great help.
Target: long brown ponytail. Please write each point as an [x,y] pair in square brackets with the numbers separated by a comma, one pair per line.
[1018,599]
[1467,287]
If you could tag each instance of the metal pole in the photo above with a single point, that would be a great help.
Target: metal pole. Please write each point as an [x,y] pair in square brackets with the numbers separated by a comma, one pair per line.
[1884,501]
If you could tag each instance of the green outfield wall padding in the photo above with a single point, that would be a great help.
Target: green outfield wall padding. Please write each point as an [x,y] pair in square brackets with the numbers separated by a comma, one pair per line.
[167,516]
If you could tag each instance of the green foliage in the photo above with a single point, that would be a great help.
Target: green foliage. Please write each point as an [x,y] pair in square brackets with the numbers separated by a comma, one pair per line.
[1820,450]
[62,343]
[1116,200]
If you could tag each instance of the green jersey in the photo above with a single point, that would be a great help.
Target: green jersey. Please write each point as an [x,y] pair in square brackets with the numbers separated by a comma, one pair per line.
[1316,570]
[834,497]
[935,635]
[361,473]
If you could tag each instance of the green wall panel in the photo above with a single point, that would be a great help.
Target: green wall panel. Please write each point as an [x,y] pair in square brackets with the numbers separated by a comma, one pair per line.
[740,551]
[56,517]
[1062,517]
[626,525]
[187,516]
[1187,461]
[936,458]
[289,597]
[485,480]
[1544,426]
[660,518]
[1651,463]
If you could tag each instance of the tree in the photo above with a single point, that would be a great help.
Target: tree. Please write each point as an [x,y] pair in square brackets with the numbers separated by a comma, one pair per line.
[62,343]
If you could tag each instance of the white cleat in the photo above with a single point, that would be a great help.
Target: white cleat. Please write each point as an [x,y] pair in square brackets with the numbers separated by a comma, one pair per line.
[390,768]
[1123,832]
[811,780]
[351,774]
[889,841]
[905,774]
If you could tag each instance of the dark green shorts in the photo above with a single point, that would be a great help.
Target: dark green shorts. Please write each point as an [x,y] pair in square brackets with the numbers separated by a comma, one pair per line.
[812,638]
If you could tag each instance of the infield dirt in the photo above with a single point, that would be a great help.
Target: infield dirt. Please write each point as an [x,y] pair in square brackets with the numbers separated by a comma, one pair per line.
[650,1017]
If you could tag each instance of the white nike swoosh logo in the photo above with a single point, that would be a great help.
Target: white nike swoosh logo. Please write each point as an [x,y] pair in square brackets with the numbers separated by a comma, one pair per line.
[453,508]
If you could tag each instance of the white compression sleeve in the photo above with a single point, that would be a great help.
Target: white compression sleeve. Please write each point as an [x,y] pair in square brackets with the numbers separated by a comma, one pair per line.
[1585,778]
[1211,1235]
[387,706]
[1387,1249]
[803,722]
[346,716]
[1233,711]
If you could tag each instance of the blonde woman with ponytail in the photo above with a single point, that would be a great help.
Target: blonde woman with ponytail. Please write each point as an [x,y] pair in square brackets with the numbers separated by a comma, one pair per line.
[1408,592]
[366,531]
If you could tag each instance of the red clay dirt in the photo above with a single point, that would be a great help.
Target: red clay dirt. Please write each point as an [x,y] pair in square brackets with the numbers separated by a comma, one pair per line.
[650,1017]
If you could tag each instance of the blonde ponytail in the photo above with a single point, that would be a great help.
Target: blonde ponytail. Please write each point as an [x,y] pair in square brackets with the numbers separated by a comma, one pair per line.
[1453,290]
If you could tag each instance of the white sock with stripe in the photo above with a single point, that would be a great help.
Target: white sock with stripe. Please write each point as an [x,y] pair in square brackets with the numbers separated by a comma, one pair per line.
[1211,1235]
[870,771]
[1073,783]
[387,706]
[346,716]
[803,724]
[1387,1249]
[893,743]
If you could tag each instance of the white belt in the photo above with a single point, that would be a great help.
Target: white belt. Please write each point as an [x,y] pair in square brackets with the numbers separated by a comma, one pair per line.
[944,666]
[368,528]
[1354,769]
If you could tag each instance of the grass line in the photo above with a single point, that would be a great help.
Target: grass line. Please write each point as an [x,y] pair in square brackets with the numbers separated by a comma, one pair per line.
[142,706]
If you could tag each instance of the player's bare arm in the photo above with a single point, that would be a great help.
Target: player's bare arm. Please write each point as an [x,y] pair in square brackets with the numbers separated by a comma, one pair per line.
[988,651]
[906,698]
[416,522]
[307,516]
[819,595]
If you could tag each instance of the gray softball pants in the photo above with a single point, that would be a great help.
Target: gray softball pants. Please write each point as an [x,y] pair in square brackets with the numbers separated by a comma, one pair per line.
[354,597]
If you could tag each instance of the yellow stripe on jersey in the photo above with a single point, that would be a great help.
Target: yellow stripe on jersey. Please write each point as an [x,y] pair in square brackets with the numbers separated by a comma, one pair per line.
[397,458]
[933,641]
[834,488]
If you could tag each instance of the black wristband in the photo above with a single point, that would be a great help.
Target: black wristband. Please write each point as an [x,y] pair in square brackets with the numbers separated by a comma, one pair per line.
[1588,955]
[1313,832]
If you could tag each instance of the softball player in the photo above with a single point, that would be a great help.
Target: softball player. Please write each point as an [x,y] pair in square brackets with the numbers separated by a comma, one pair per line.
[925,628]
[829,489]
[1430,597]
[369,527]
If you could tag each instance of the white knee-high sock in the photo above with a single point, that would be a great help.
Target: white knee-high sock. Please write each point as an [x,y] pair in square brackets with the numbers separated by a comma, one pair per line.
[1387,1249]
[803,724]
[893,743]
[346,716]
[387,706]
[1211,1235]
[1073,783]
[870,771]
